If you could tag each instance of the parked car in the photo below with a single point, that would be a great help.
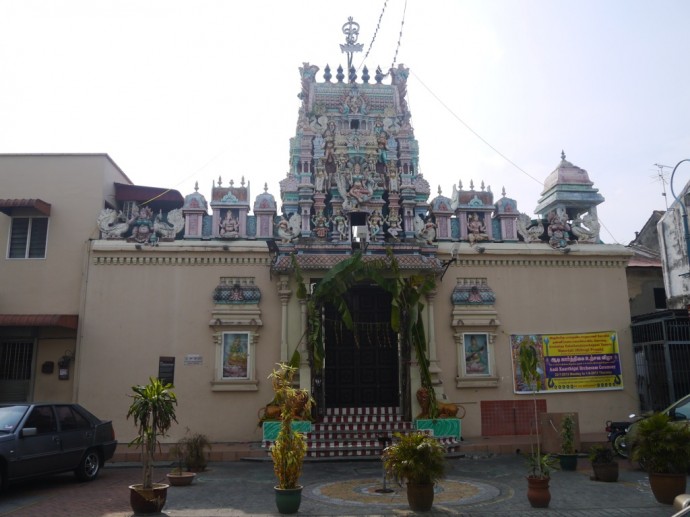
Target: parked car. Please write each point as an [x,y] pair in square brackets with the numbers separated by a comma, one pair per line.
[41,439]
[678,412]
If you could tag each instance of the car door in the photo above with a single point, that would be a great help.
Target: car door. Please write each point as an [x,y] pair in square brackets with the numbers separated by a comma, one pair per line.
[38,446]
[76,434]
[680,412]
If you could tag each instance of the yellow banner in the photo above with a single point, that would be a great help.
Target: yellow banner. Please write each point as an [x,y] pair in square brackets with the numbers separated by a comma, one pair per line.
[570,362]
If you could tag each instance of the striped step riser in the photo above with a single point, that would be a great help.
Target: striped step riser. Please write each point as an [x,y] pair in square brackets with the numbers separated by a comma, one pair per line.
[362,411]
[355,432]
[353,435]
[363,426]
[343,454]
[354,419]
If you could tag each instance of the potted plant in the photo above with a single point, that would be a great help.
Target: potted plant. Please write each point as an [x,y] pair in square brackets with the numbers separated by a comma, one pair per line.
[604,464]
[179,476]
[540,465]
[568,457]
[419,460]
[663,447]
[290,447]
[193,449]
[153,412]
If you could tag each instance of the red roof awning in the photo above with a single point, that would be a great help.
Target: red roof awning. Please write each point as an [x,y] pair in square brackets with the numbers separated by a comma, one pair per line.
[124,192]
[68,321]
[8,205]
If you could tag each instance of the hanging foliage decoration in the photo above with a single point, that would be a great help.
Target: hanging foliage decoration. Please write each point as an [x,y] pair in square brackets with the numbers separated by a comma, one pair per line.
[408,293]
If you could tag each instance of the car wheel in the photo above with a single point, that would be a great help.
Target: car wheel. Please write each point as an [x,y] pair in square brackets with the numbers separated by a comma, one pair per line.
[89,466]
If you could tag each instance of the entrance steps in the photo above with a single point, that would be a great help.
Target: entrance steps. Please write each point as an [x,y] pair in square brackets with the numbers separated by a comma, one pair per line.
[359,432]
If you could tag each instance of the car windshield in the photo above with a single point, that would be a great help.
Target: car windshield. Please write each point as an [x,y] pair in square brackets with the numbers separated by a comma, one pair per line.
[10,417]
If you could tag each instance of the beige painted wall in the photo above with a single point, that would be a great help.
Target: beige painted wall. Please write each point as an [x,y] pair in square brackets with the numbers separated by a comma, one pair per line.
[158,302]
[540,290]
[137,312]
[74,185]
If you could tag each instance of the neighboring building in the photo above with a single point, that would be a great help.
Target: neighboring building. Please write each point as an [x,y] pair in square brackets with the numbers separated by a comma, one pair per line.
[673,240]
[49,202]
[209,300]
[645,275]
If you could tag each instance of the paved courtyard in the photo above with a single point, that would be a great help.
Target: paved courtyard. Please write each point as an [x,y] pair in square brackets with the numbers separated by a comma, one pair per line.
[478,486]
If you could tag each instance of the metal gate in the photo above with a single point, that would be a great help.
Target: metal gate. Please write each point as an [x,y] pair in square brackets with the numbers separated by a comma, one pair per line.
[16,365]
[362,365]
[661,346]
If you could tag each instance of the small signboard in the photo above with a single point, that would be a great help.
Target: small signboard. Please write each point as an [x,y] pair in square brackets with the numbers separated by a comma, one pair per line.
[193,359]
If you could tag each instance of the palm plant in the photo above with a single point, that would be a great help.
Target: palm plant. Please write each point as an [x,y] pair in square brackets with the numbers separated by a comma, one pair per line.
[290,447]
[415,458]
[153,411]
[540,465]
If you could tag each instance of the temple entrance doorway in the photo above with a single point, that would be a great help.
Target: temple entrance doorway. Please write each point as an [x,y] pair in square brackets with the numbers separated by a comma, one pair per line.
[362,366]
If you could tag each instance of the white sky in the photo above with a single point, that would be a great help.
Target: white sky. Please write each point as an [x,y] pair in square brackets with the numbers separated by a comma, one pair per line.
[183,91]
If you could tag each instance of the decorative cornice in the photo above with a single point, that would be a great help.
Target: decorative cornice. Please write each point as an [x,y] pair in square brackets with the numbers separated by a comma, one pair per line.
[135,260]
[488,261]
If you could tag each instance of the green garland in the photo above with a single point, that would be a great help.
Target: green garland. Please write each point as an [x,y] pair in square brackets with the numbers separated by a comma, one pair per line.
[407,310]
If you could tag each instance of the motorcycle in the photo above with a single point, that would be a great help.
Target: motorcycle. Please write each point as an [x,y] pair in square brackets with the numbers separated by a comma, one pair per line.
[616,434]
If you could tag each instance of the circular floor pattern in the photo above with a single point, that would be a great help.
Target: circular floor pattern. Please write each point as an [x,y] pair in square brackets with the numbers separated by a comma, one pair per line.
[364,492]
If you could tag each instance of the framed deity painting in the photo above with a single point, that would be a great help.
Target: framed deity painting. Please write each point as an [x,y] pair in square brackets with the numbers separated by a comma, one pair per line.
[235,354]
[475,356]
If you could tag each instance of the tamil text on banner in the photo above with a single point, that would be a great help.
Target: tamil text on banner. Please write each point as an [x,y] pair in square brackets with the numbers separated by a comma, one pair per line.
[570,362]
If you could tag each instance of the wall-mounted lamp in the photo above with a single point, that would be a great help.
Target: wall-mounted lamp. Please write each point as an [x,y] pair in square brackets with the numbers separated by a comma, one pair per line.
[63,365]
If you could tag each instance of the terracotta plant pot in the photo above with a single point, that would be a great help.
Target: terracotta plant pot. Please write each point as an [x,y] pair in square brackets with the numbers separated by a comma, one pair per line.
[538,493]
[180,478]
[666,487]
[420,496]
[148,501]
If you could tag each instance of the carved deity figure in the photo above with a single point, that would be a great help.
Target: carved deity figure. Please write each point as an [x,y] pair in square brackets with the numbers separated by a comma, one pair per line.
[229,226]
[425,231]
[340,225]
[559,229]
[393,180]
[476,230]
[141,224]
[320,224]
[375,224]
[320,180]
[393,221]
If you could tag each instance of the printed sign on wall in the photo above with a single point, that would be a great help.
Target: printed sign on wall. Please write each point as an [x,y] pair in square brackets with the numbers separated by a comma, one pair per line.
[570,362]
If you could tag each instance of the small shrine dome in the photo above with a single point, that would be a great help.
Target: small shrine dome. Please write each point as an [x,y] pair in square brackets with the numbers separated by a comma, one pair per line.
[265,201]
[195,201]
[566,174]
[568,187]
[441,203]
[505,205]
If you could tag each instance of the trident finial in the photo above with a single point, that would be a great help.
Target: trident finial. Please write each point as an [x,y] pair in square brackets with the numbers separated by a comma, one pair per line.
[351,31]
